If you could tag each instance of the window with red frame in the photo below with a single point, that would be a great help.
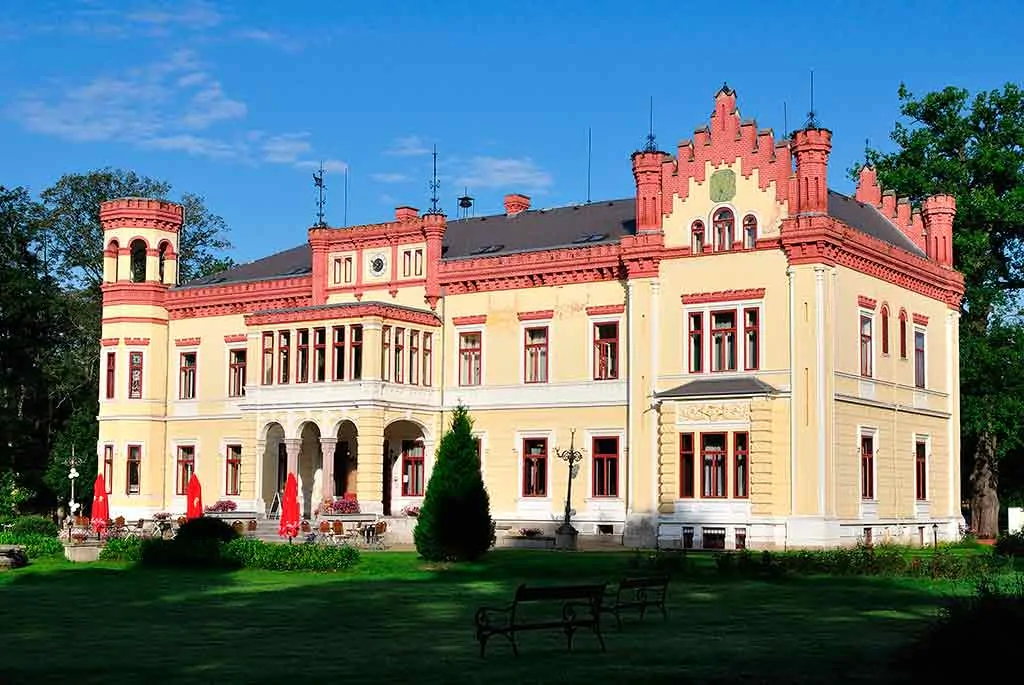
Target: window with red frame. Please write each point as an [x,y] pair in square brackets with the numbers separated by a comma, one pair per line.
[385,353]
[108,467]
[903,335]
[414,357]
[749,232]
[535,355]
[713,472]
[867,467]
[470,358]
[751,339]
[605,458]
[185,467]
[111,374]
[919,359]
[687,466]
[696,334]
[134,375]
[236,373]
[921,470]
[407,263]
[302,355]
[723,341]
[412,469]
[338,336]
[399,369]
[187,376]
[866,348]
[319,355]
[268,358]
[337,270]
[418,260]
[885,329]
[428,369]
[133,470]
[606,351]
[697,237]
[535,467]
[284,339]
[741,465]
[724,227]
[233,470]
[355,335]
[348,269]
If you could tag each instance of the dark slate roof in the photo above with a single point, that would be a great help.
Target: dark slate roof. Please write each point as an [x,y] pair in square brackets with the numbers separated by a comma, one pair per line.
[296,261]
[736,386]
[869,220]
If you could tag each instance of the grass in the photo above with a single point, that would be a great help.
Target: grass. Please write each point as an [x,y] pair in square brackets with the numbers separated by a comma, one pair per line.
[396,619]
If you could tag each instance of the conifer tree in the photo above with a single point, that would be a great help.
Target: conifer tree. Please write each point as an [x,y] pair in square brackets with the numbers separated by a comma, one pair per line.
[455,520]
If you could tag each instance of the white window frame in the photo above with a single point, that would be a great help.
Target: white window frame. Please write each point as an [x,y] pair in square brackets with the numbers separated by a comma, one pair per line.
[194,443]
[870,314]
[594,321]
[143,446]
[521,436]
[228,348]
[757,217]
[709,227]
[872,432]
[927,440]
[913,351]
[224,442]
[185,349]
[537,323]
[589,435]
[459,332]
[739,306]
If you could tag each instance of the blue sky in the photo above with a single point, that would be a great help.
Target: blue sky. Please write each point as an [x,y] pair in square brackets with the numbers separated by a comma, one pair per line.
[239,101]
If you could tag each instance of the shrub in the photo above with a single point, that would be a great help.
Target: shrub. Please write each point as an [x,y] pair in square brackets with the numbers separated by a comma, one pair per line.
[127,548]
[38,525]
[1011,544]
[247,553]
[36,546]
[206,528]
[455,521]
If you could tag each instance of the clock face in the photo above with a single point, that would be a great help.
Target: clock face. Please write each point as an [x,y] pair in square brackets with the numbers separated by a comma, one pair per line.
[377,264]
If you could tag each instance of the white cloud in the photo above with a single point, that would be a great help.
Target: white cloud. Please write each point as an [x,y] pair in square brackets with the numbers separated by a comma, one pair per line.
[211,105]
[197,146]
[274,39]
[409,146]
[333,166]
[195,15]
[286,148]
[509,174]
[389,178]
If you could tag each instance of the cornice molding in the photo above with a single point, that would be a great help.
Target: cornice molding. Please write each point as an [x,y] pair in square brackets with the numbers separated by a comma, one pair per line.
[345,311]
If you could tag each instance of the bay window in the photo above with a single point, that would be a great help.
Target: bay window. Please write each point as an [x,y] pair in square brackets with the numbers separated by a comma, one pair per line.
[723,341]
[713,451]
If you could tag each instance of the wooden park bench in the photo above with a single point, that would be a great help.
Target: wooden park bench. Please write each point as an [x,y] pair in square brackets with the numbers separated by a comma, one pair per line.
[637,593]
[578,606]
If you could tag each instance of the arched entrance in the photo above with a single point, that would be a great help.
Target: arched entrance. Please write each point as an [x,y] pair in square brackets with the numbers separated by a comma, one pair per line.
[274,464]
[405,471]
[310,460]
[346,460]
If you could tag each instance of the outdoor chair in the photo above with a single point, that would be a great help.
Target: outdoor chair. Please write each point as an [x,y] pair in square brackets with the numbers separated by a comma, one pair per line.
[251,527]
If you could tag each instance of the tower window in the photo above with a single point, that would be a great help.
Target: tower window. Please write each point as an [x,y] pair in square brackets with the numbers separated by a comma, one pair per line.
[138,252]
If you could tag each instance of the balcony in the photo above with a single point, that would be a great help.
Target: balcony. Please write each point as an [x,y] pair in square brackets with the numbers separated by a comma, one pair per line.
[338,393]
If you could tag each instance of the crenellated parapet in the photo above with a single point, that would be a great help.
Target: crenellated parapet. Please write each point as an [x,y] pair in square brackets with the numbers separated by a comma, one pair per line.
[137,212]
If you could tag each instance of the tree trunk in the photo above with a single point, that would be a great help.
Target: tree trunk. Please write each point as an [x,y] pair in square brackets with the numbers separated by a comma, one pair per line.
[984,496]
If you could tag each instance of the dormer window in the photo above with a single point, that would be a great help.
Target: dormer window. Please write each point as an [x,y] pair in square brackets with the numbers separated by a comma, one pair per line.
[725,224]
[697,237]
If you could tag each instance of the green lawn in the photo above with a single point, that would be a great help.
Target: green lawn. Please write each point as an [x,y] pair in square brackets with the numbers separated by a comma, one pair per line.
[395,619]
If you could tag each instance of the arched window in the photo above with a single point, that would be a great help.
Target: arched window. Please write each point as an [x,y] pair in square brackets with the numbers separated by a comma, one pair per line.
[903,334]
[162,258]
[697,237]
[138,249]
[885,329]
[725,224]
[112,254]
[749,232]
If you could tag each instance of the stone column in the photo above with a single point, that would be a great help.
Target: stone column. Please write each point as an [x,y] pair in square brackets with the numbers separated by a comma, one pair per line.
[370,476]
[292,446]
[327,447]
[260,466]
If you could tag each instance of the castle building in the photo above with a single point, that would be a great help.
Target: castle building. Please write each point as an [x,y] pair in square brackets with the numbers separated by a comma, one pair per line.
[743,356]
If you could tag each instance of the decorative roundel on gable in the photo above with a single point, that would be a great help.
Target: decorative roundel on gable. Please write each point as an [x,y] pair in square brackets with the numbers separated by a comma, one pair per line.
[377,264]
[723,185]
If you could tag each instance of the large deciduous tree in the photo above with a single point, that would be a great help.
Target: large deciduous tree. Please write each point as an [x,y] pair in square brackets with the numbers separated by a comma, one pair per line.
[973,148]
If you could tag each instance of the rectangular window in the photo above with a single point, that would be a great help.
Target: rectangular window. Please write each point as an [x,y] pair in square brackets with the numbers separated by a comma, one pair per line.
[186,466]
[236,373]
[866,356]
[428,370]
[535,355]
[302,355]
[337,270]
[723,341]
[605,455]
[407,263]
[135,375]
[919,370]
[355,334]
[268,358]
[867,467]
[385,353]
[535,467]
[319,354]
[111,373]
[741,465]
[921,470]
[133,466]
[399,355]
[606,351]
[108,467]
[712,457]
[696,342]
[284,339]
[187,376]
[339,353]
[687,466]
[412,469]
[348,269]
[418,259]
[233,470]
[470,358]
[751,339]
[414,357]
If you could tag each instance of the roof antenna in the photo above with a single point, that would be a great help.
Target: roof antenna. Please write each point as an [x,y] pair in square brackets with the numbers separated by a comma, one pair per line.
[318,181]
[867,150]
[785,120]
[812,120]
[346,195]
[650,145]
[589,150]
[435,185]
[465,205]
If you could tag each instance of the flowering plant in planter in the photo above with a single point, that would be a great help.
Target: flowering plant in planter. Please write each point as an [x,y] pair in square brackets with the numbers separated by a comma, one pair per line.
[530,532]
[221,506]
[341,506]
[411,510]
[162,516]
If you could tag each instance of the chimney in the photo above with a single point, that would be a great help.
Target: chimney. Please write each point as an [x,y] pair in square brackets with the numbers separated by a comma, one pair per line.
[647,174]
[939,212]
[516,203]
[811,147]
[406,214]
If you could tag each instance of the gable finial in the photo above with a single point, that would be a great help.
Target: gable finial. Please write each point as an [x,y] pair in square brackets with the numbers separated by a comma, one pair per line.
[651,145]
[435,185]
[318,182]
[812,117]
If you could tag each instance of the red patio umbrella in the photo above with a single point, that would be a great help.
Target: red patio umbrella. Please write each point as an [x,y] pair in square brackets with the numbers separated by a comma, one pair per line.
[289,526]
[100,505]
[195,498]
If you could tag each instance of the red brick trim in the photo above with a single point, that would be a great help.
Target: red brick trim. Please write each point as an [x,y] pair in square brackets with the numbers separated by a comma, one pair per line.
[109,342]
[606,309]
[239,298]
[867,302]
[186,342]
[472,320]
[920,319]
[346,311]
[539,315]
[136,342]
[723,296]
[126,292]
[236,338]
[135,319]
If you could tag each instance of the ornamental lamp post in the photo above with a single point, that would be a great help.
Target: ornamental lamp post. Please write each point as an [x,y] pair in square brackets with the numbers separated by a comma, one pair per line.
[72,475]
[565,534]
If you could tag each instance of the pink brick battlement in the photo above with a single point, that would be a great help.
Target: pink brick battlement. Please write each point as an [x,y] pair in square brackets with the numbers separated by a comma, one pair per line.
[138,212]
[897,210]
